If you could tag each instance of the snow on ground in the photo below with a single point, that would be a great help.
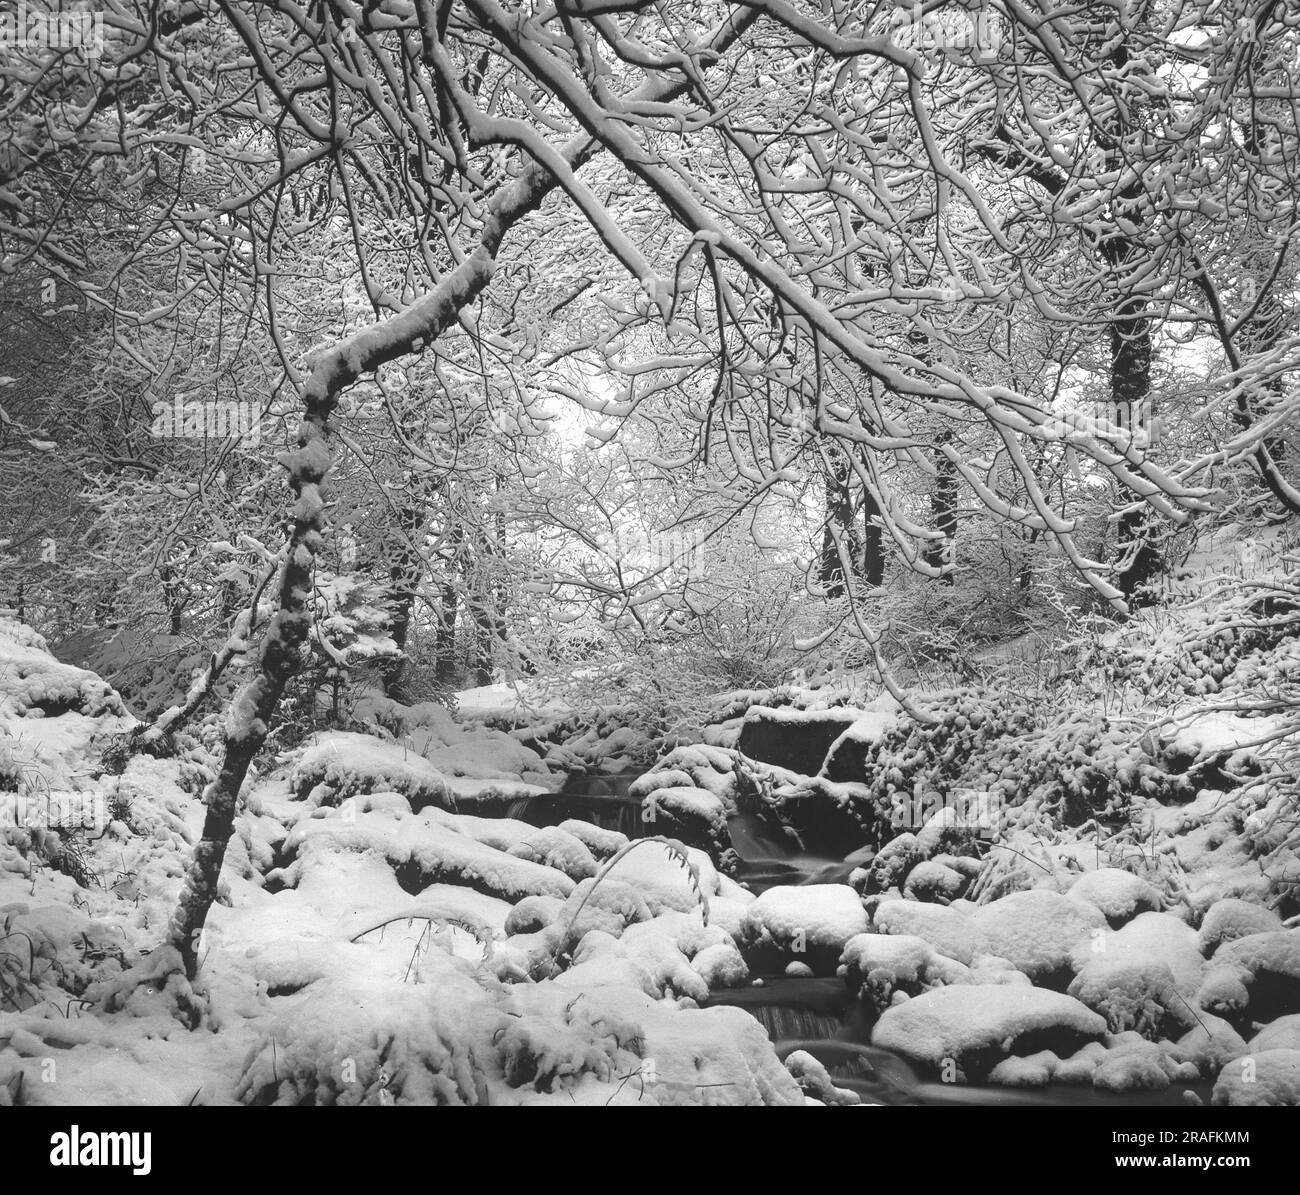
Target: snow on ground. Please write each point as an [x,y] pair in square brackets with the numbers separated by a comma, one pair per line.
[377,940]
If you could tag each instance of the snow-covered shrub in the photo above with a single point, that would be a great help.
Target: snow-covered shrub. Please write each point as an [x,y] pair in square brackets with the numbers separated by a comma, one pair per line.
[353,1041]
[340,764]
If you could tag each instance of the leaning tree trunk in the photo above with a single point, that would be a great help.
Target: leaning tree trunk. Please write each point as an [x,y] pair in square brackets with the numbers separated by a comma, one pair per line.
[336,369]
[253,708]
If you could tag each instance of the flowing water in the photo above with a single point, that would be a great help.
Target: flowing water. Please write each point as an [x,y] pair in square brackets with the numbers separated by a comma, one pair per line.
[817,1015]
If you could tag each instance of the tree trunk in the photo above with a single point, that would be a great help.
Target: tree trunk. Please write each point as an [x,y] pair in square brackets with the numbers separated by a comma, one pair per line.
[404,581]
[363,352]
[940,553]
[838,527]
[873,542]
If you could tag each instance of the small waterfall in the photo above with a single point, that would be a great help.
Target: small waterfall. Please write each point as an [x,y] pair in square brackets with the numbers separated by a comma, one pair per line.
[602,800]
[786,1022]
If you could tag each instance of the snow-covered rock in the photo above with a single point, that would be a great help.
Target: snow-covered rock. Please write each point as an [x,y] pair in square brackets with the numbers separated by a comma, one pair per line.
[1133,993]
[973,1027]
[1281,1034]
[340,764]
[1227,920]
[812,919]
[949,931]
[1120,895]
[1267,1079]
[1038,931]
[815,1080]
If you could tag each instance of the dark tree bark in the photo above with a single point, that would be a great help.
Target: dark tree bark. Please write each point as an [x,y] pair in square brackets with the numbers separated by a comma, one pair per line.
[941,553]
[873,542]
[362,353]
[838,527]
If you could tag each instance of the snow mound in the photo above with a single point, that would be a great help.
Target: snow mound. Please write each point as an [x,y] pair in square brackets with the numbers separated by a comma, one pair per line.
[805,918]
[1037,931]
[1211,1045]
[663,881]
[815,1081]
[1133,1064]
[552,847]
[1120,895]
[600,842]
[1227,920]
[1269,1079]
[360,1040]
[949,931]
[1133,994]
[340,764]
[973,1027]
[935,881]
[33,684]
[1151,937]
[1268,964]
[879,965]
[1282,1034]
[429,851]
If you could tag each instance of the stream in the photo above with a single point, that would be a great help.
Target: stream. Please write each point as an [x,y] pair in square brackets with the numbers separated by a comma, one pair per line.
[818,1015]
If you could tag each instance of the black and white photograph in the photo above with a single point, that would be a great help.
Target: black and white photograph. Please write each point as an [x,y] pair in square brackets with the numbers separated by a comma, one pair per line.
[650,553]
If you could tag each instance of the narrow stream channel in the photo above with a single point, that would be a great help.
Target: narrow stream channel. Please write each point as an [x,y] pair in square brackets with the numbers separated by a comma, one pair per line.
[817,1015]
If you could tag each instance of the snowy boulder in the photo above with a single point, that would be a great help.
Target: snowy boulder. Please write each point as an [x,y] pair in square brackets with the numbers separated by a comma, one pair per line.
[967,1029]
[693,815]
[600,842]
[1159,937]
[1134,1064]
[1133,994]
[1282,1034]
[1269,1079]
[554,848]
[533,913]
[853,754]
[795,739]
[340,764]
[947,930]
[1211,1045]
[892,863]
[666,970]
[1225,990]
[1270,967]
[934,881]
[721,966]
[424,852]
[1228,920]
[33,684]
[815,1081]
[811,921]
[1035,1071]
[610,906]
[905,958]
[1120,895]
[1077,1070]
[666,881]
[1037,931]
[879,965]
